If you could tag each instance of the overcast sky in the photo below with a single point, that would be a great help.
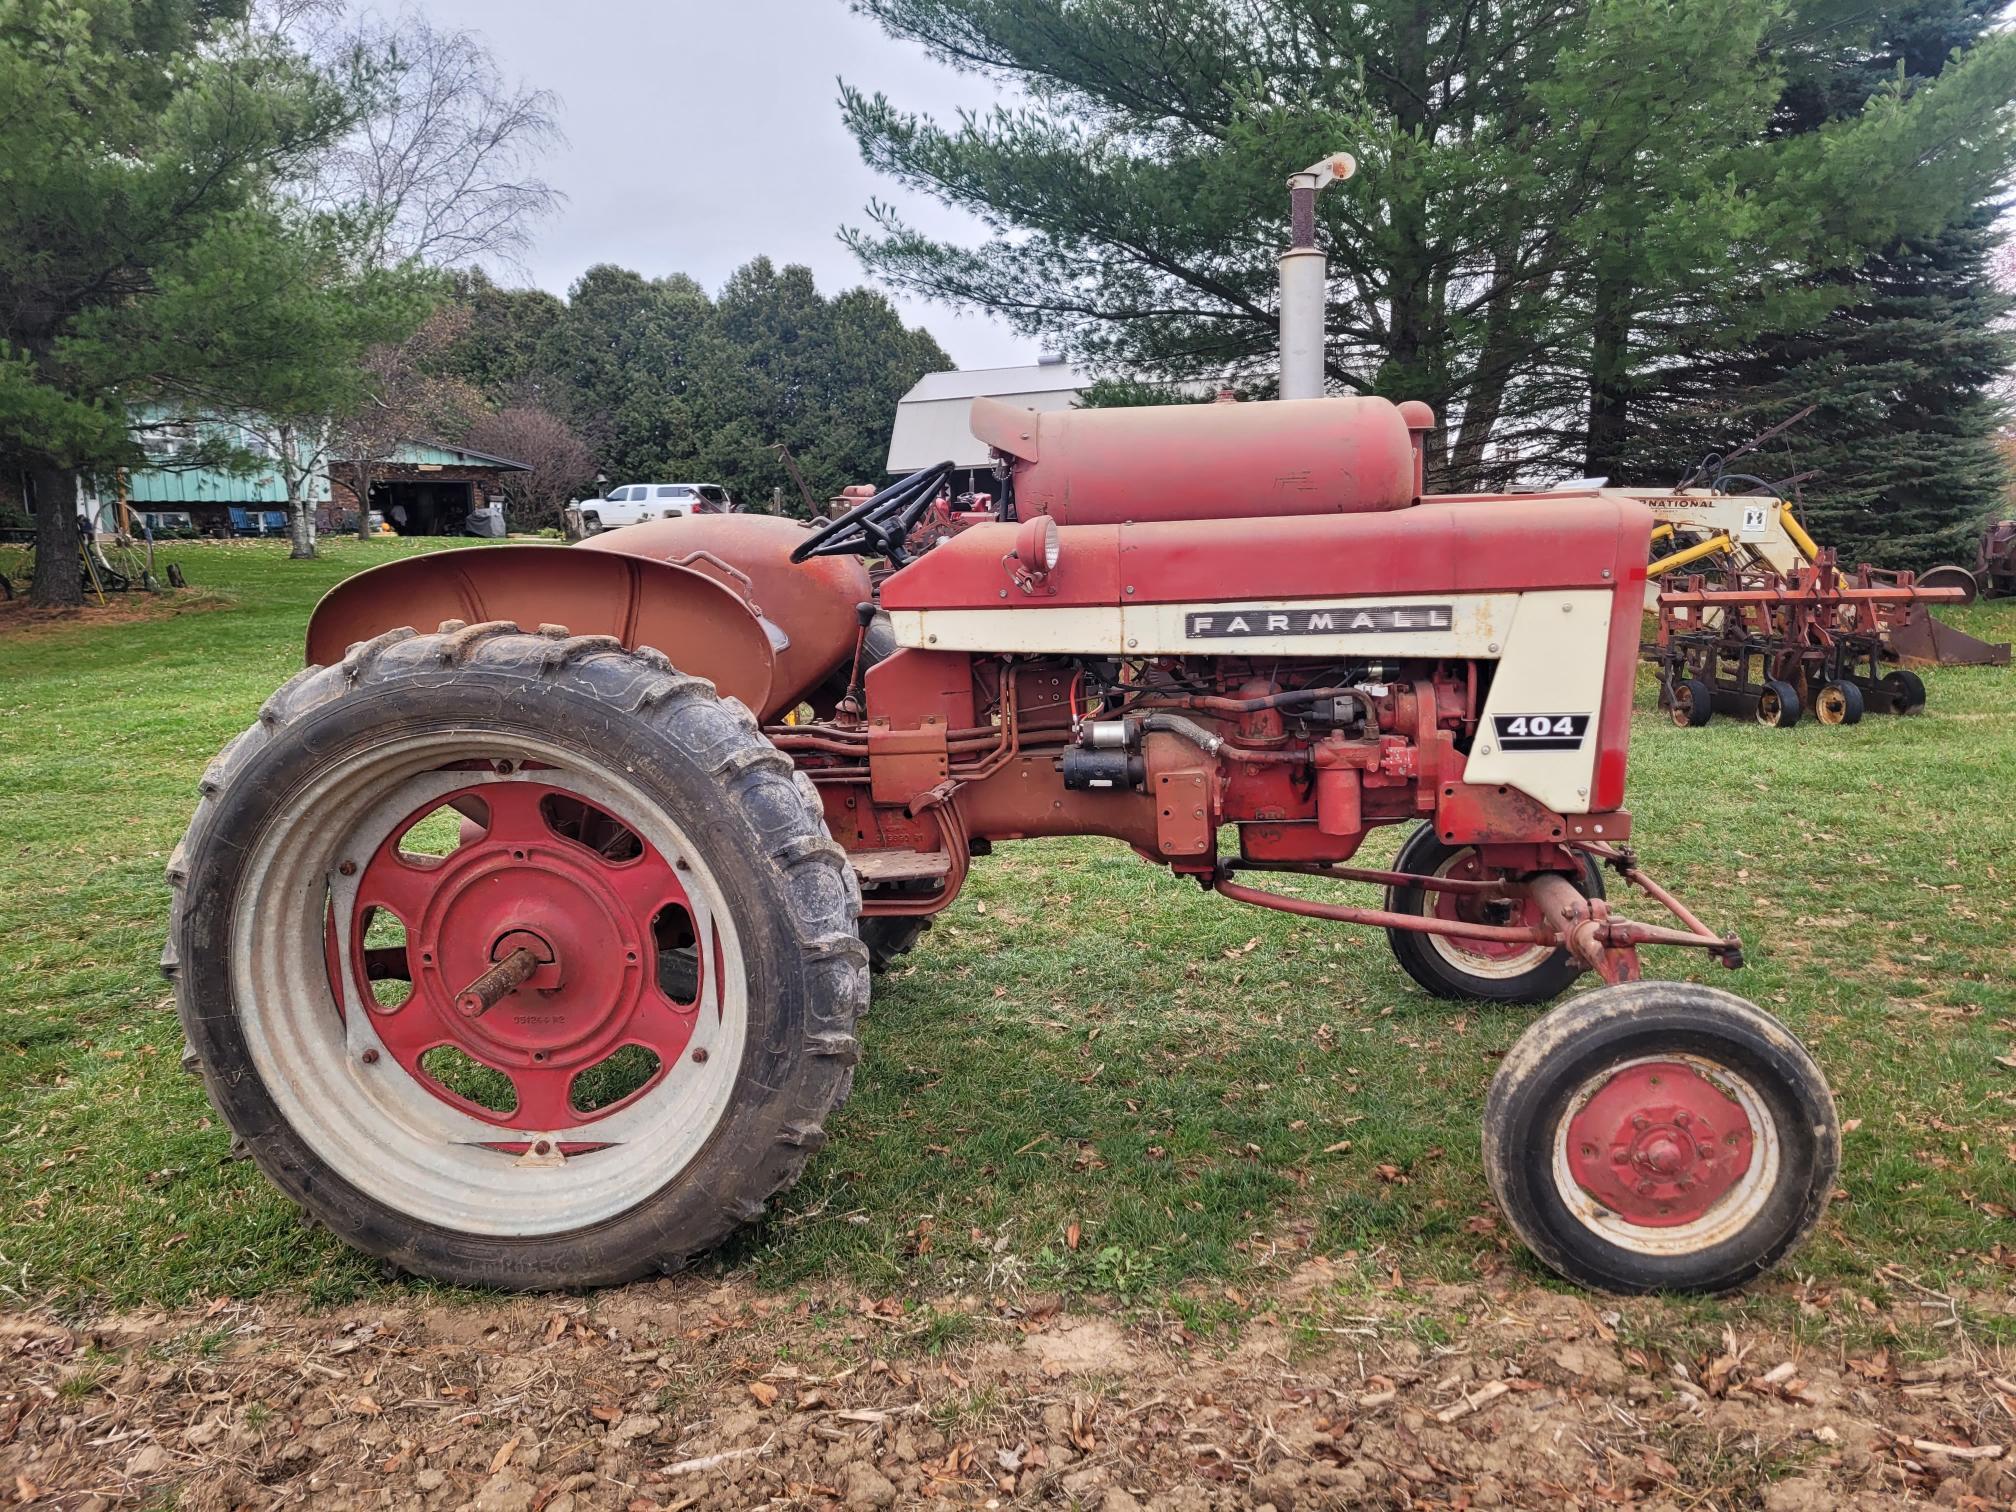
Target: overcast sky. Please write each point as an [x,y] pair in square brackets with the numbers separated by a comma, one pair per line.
[705,132]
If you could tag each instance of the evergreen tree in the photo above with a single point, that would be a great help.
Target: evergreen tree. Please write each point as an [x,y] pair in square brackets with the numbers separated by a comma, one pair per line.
[141,235]
[665,383]
[1556,201]
[1903,361]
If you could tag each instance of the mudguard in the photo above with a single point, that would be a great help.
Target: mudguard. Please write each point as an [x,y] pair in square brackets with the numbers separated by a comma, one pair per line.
[700,621]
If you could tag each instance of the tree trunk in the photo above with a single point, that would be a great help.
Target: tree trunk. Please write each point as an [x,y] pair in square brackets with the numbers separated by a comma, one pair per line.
[1410,337]
[363,476]
[1484,401]
[300,513]
[59,574]
[1609,366]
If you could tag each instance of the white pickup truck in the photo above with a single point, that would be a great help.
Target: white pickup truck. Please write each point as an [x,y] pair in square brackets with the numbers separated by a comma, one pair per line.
[634,503]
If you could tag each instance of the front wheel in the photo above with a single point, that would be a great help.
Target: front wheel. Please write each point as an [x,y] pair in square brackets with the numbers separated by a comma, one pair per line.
[1660,1136]
[1476,970]
[1690,703]
[517,960]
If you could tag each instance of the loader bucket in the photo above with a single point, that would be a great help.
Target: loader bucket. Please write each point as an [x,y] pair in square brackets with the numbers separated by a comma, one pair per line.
[695,618]
[1922,641]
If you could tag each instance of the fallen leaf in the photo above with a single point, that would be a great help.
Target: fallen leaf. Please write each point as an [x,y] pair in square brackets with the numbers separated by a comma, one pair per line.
[764,1392]
[503,1456]
[1072,1235]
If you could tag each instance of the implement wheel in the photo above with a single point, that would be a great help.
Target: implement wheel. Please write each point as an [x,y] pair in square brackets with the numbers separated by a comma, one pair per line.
[1778,705]
[1838,703]
[1690,702]
[1906,690]
[1660,1136]
[518,960]
[1475,970]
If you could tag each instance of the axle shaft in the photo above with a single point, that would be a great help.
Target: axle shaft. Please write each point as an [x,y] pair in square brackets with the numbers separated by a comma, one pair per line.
[502,979]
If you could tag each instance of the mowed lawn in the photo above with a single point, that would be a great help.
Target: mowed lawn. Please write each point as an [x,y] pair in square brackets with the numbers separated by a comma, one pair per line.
[1090,1076]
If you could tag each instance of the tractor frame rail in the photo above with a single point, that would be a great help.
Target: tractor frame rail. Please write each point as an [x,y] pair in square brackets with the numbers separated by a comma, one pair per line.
[1602,941]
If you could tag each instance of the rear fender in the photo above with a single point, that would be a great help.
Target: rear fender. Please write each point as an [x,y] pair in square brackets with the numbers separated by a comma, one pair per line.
[698,620]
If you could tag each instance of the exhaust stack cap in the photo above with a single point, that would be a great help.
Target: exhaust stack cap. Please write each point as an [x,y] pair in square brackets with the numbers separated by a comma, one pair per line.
[1305,280]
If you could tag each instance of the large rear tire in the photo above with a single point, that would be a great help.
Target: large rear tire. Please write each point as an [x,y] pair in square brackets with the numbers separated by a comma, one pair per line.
[1660,1136]
[601,815]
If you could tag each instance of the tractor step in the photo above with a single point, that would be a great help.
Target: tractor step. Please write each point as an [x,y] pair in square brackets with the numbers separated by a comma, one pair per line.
[876,867]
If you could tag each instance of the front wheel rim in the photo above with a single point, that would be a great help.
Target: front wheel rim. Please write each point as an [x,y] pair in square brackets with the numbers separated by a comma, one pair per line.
[1497,960]
[350,1084]
[1666,1155]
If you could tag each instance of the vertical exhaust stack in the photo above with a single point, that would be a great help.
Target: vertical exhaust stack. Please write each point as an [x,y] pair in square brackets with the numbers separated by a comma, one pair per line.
[1305,280]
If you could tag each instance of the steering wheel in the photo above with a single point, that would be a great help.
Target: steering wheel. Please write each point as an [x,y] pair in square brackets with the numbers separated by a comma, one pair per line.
[878,526]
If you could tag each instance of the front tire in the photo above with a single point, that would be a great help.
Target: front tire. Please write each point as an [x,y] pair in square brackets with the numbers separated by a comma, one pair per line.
[1465,971]
[597,810]
[1660,1136]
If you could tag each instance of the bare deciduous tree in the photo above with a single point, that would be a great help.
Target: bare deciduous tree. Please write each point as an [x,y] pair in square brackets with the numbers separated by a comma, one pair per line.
[561,462]
[444,156]
[405,399]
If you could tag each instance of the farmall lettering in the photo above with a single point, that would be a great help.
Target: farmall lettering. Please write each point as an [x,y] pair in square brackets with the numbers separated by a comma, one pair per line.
[1321,620]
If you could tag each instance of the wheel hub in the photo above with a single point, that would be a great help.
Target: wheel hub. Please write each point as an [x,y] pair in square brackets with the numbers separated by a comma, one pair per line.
[533,953]
[1659,1144]
[1471,909]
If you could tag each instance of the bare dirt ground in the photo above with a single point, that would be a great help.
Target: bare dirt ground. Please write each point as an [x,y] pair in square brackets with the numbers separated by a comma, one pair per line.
[688,1394]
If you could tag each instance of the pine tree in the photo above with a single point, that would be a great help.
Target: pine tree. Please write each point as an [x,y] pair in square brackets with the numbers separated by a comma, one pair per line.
[1903,360]
[1558,208]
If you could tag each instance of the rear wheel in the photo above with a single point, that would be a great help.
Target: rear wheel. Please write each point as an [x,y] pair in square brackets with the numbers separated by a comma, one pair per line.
[1660,1136]
[1778,705]
[1475,970]
[517,960]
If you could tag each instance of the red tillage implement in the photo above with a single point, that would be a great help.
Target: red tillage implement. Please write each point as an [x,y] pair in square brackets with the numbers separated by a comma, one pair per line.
[1771,646]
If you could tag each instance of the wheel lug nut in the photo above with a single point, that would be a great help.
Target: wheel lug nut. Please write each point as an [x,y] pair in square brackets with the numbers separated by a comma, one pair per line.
[1645,1189]
[1683,1118]
[1640,1122]
[1620,1156]
[1705,1150]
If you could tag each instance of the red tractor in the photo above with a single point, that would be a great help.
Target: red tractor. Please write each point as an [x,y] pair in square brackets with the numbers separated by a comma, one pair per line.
[531,956]
[528,951]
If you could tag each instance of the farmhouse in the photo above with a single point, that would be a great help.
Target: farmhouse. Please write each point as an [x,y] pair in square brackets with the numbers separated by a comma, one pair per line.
[424,488]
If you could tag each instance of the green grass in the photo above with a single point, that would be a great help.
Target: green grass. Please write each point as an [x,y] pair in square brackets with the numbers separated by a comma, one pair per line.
[1201,1093]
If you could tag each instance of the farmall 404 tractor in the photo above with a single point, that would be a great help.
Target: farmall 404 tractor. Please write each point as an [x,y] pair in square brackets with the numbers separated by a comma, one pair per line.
[532,956]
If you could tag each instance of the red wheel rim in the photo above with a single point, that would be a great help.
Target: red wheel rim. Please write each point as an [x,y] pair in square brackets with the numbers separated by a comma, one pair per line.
[1471,909]
[1659,1144]
[593,915]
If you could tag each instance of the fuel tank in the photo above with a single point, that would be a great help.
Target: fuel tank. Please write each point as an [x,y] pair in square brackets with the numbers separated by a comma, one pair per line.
[1209,461]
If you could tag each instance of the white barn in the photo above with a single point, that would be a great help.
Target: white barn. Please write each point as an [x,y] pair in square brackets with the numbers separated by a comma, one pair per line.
[932,420]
